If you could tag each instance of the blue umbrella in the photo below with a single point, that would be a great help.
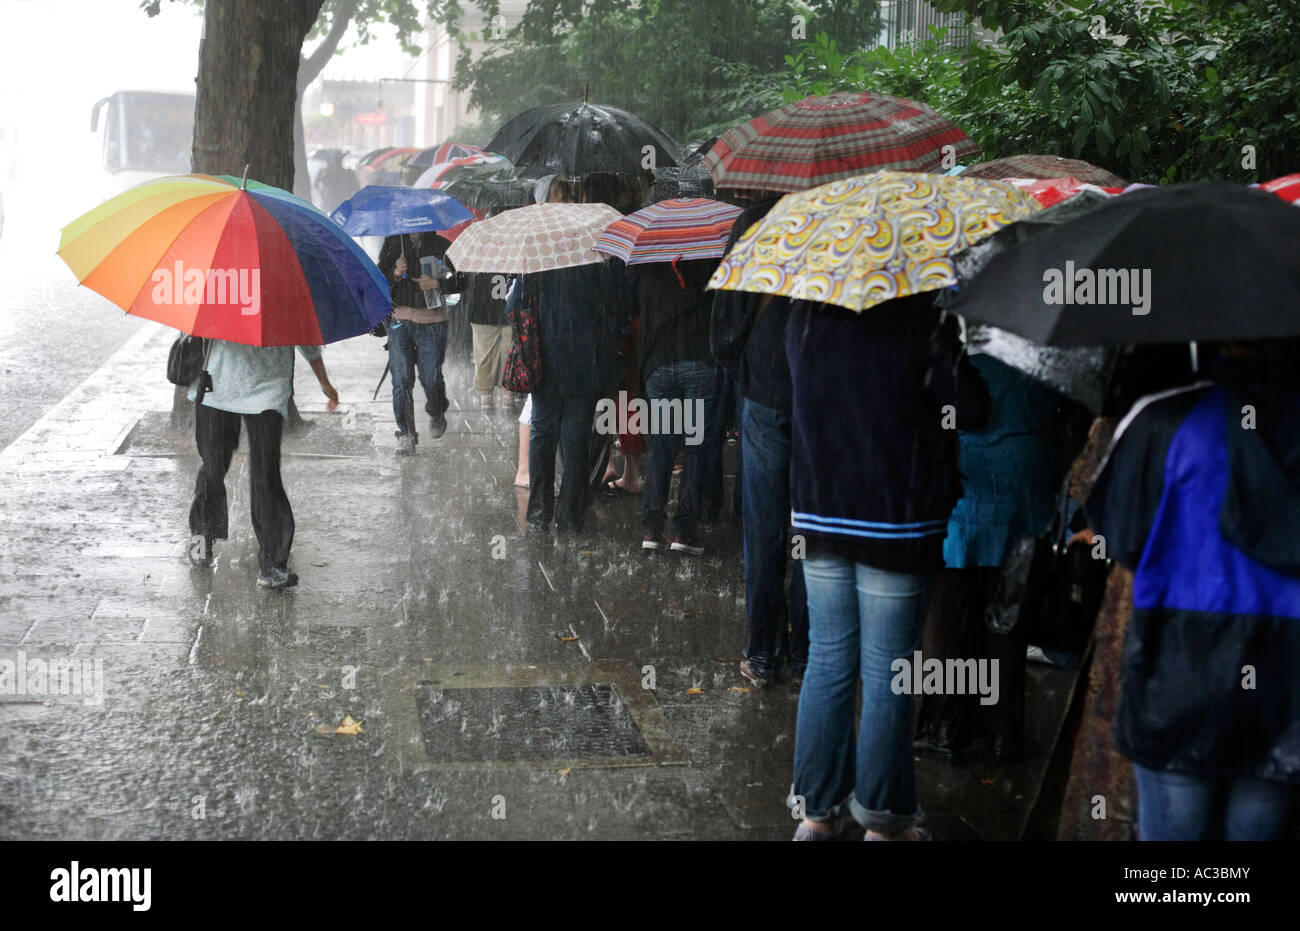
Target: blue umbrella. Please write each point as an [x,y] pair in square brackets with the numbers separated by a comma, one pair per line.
[384,210]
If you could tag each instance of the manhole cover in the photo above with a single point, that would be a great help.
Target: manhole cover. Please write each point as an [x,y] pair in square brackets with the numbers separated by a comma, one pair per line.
[499,724]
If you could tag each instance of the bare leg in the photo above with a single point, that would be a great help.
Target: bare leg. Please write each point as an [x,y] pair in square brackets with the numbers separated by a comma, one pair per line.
[521,473]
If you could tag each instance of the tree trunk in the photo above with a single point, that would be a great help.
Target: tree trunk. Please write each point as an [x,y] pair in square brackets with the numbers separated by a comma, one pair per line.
[244,108]
[342,13]
[246,98]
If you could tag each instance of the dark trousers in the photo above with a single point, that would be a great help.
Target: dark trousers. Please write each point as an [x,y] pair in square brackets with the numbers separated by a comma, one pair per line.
[217,434]
[777,627]
[412,348]
[564,422]
[687,381]
[955,629]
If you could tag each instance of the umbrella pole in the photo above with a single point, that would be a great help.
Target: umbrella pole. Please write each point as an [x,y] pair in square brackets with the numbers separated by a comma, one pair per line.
[375,396]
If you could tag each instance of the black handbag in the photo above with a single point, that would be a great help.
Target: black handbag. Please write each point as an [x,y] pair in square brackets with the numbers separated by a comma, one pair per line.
[188,360]
[1048,591]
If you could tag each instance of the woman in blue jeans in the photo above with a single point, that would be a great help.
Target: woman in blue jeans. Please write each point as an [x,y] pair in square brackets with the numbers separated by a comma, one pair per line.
[877,400]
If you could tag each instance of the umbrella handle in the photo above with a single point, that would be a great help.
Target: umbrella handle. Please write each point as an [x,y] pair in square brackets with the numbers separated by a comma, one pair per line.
[244,184]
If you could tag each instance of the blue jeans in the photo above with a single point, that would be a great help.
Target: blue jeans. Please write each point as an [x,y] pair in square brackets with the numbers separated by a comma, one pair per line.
[1180,806]
[862,619]
[687,381]
[412,346]
[564,422]
[775,630]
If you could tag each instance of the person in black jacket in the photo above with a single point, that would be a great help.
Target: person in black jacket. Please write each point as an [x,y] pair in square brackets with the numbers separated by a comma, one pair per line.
[676,367]
[579,324]
[748,340]
[417,333]
[877,400]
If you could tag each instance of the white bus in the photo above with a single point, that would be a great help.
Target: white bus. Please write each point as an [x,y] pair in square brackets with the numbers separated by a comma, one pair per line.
[143,135]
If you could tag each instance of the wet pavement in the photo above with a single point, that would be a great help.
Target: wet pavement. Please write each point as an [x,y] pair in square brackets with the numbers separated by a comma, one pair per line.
[505,685]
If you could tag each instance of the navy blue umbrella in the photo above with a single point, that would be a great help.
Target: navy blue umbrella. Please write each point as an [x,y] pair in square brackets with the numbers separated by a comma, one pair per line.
[384,210]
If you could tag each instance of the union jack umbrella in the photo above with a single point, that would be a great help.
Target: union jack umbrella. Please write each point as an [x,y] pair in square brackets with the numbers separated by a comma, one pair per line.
[1043,167]
[680,228]
[443,153]
[820,139]
[1286,187]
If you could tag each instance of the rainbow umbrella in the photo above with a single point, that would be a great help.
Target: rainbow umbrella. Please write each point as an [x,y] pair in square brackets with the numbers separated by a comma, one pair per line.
[248,263]
[679,228]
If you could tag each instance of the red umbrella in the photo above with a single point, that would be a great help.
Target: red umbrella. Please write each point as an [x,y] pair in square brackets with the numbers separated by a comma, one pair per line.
[819,139]
[1286,187]
[1043,166]
[1051,191]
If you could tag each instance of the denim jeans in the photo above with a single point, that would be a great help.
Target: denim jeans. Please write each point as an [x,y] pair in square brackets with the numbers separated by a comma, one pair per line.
[1180,806]
[688,381]
[775,630]
[862,619]
[562,421]
[412,346]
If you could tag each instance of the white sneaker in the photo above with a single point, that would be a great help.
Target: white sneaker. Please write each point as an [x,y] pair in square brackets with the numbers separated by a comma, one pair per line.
[405,445]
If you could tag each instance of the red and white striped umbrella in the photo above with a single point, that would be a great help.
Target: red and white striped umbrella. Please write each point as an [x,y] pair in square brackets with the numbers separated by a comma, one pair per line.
[680,228]
[1286,187]
[435,173]
[537,238]
[820,139]
[443,153]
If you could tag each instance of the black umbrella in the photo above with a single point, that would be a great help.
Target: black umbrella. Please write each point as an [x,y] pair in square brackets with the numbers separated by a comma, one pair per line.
[1174,264]
[489,193]
[579,139]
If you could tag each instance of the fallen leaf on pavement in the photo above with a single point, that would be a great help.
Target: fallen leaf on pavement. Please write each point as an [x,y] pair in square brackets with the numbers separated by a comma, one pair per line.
[695,691]
[737,688]
[349,727]
[567,639]
[565,771]
[320,564]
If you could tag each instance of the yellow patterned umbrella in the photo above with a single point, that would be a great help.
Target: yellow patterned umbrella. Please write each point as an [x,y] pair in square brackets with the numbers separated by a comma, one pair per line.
[859,242]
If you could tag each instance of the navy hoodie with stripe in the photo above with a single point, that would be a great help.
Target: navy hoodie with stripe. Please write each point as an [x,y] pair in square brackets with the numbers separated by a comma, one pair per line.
[878,398]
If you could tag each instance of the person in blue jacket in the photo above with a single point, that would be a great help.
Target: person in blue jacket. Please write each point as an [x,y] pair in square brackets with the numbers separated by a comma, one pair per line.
[1200,497]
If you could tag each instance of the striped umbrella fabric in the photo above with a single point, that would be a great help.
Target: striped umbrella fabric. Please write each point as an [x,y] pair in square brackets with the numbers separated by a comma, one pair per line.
[443,153]
[204,255]
[536,238]
[1286,187]
[680,228]
[1043,167]
[819,139]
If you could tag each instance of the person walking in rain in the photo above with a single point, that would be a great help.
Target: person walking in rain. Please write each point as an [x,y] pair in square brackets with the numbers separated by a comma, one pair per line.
[252,384]
[417,335]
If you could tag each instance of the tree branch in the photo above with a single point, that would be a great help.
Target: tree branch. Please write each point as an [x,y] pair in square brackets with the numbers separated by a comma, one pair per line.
[310,68]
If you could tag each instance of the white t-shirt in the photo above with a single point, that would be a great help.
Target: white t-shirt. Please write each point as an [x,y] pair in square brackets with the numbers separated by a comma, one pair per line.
[251,379]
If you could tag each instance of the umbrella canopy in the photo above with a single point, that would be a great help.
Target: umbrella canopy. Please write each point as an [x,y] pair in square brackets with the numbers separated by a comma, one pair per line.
[384,210]
[1052,191]
[387,167]
[862,241]
[443,153]
[819,139]
[1171,264]
[489,191]
[468,166]
[1044,166]
[695,228]
[256,266]
[1081,373]
[536,238]
[682,181]
[1286,187]
[579,139]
